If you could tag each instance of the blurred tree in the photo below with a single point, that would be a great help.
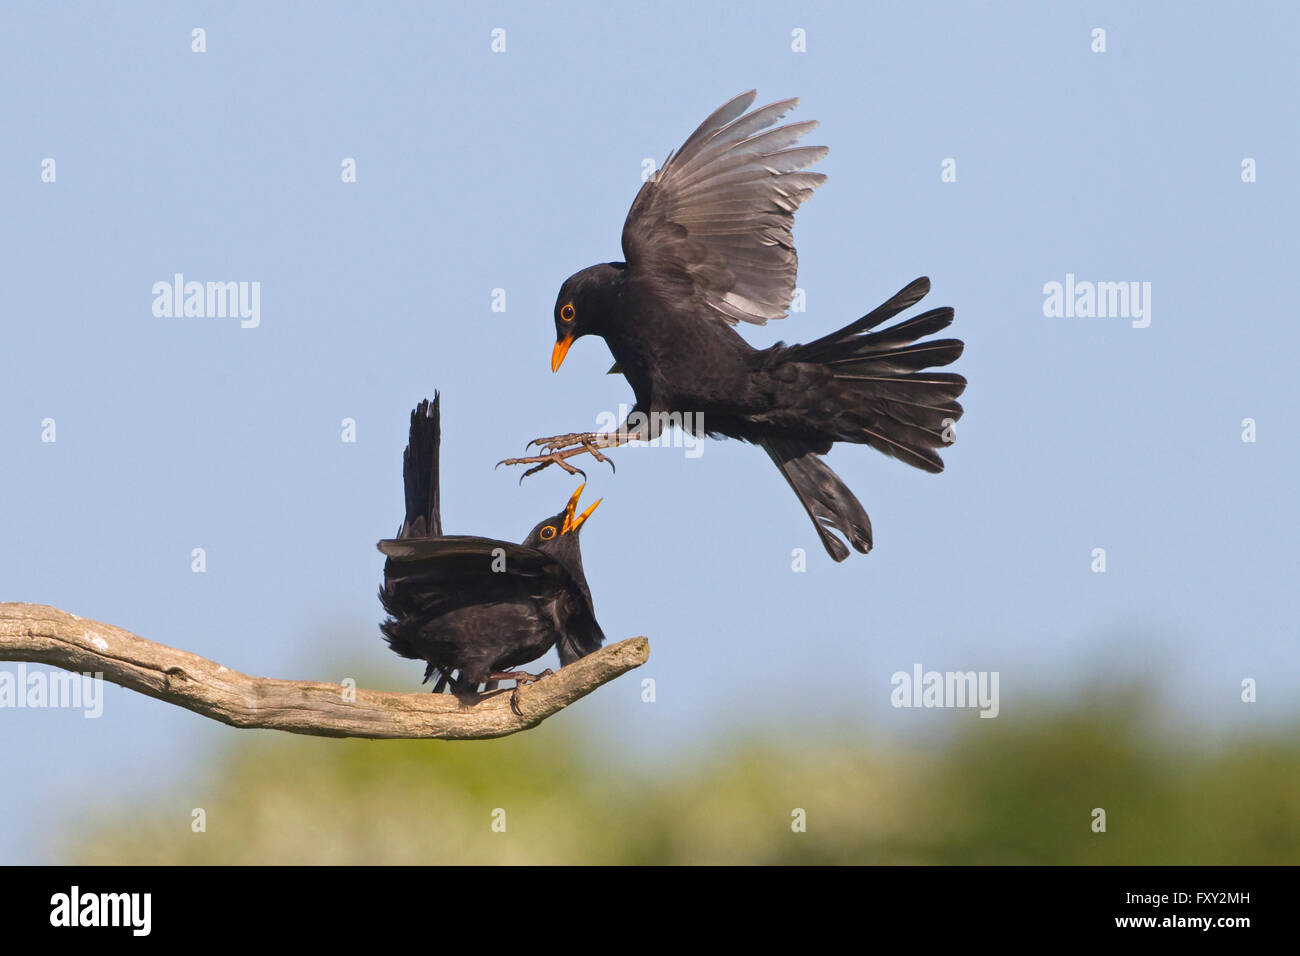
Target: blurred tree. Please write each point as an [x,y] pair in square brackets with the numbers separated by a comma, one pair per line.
[1004,791]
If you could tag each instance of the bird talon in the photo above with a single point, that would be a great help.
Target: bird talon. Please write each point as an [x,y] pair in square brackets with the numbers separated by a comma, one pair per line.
[596,454]
[521,678]
[539,462]
[560,442]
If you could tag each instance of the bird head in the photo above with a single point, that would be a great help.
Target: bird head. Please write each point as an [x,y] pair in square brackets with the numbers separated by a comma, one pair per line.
[558,534]
[580,309]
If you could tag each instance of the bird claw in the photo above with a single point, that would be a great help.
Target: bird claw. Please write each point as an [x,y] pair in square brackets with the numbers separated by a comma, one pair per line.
[540,462]
[557,442]
[596,454]
[520,678]
[556,449]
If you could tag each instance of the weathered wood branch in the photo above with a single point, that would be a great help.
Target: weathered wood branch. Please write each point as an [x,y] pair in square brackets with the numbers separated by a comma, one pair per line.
[46,635]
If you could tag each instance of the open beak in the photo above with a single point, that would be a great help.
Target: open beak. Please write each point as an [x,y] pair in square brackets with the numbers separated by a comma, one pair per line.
[570,522]
[561,349]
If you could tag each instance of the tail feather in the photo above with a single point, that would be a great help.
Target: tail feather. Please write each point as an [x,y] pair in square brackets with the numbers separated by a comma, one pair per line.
[904,299]
[909,444]
[919,413]
[823,495]
[908,358]
[927,323]
[885,393]
[420,473]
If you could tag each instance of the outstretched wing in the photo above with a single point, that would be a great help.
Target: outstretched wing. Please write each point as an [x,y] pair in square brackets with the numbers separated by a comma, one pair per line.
[715,222]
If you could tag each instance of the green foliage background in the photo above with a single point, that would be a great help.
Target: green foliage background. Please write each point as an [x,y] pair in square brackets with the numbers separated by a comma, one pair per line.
[999,792]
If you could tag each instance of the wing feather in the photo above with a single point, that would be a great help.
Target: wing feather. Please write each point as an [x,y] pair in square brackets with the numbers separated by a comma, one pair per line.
[715,223]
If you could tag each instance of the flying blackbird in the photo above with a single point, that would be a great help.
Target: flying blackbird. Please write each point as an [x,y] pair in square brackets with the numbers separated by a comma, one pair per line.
[474,608]
[708,244]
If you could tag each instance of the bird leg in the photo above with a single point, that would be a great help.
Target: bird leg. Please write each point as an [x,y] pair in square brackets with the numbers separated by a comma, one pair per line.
[520,678]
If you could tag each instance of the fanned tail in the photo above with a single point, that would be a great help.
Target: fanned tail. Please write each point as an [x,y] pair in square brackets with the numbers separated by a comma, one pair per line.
[883,390]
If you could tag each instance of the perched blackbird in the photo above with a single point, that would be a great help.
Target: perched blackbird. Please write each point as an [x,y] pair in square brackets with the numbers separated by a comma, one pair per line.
[708,244]
[472,607]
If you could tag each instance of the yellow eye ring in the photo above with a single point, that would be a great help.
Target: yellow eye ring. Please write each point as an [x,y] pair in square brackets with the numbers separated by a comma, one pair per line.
[548,532]
[567,312]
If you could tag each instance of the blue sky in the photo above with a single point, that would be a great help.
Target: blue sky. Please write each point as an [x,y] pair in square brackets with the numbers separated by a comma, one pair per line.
[479,171]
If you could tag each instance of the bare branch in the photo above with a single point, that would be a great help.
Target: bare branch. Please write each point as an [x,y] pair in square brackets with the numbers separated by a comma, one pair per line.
[46,635]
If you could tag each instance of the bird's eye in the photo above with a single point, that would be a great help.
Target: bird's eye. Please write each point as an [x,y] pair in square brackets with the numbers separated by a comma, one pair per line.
[567,312]
[548,532]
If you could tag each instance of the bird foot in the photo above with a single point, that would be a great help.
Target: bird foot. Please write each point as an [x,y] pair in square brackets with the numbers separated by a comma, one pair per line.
[556,452]
[520,678]
[556,442]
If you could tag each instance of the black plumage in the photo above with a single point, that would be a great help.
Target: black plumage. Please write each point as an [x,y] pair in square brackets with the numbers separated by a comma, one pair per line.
[708,244]
[473,608]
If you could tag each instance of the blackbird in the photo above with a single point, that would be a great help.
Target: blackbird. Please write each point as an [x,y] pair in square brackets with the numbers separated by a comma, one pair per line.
[474,608]
[708,244]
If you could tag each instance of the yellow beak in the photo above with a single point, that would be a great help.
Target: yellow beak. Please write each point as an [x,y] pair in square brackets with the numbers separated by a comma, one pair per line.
[571,523]
[561,349]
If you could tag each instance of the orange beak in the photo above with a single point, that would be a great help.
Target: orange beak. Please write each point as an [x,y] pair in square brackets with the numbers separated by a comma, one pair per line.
[571,523]
[561,349]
